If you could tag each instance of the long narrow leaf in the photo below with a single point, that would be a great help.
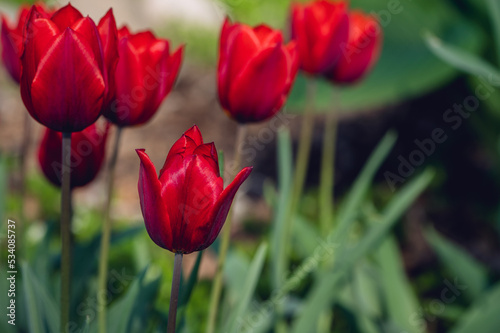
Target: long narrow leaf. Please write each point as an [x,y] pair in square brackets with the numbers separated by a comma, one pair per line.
[326,289]
[249,289]
[352,204]
[494,10]
[463,60]
[482,316]
[401,301]
[459,263]
[42,309]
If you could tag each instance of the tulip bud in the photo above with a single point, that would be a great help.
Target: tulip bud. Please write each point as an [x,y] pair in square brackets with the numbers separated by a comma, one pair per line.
[145,74]
[185,207]
[319,28]
[87,155]
[65,71]
[361,51]
[256,71]
[12,40]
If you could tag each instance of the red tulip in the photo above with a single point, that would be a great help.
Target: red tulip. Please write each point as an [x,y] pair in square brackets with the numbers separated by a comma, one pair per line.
[256,71]
[320,28]
[361,51]
[64,81]
[12,40]
[145,74]
[185,207]
[87,155]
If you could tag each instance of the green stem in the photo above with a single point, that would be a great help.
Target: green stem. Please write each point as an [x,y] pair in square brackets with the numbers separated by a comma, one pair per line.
[226,237]
[66,231]
[301,164]
[326,187]
[174,294]
[106,233]
[304,150]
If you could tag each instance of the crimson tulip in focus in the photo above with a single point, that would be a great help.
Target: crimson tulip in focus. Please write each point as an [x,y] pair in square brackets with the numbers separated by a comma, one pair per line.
[256,71]
[87,155]
[185,207]
[66,68]
[145,74]
[361,51]
[319,28]
[12,40]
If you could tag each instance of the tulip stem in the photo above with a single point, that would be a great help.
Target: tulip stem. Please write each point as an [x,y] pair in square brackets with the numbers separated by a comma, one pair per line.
[326,187]
[301,163]
[23,154]
[66,231]
[226,237]
[174,294]
[302,159]
[106,233]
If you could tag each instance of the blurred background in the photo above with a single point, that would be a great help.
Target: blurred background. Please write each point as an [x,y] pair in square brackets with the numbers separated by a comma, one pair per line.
[411,90]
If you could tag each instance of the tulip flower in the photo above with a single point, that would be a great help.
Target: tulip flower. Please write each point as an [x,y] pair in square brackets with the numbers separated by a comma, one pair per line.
[319,28]
[145,74]
[256,71]
[361,51]
[65,76]
[12,40]
[185,207]
[87,155]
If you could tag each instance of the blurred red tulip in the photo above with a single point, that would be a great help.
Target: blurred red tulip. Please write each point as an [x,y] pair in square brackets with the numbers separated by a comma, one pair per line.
[87,155]
[319,28]
[185,207]
[12,40]
[64,80]
[145,74]
[361,51]
[256,71]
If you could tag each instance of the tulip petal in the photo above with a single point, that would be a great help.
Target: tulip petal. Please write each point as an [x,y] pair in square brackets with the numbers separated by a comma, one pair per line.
[130,95]
[258,89]
[236,50]
[153,208]
[185,145]
[60,103]
[192,190]
[219,212]
[161,79]
[11,46]
[109,39]
[38,36]
[267,36]
[209,153]
[86,27]
[66,17]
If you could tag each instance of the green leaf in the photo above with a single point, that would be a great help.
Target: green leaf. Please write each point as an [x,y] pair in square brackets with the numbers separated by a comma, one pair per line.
[463,60]
[248,287]
[325,290]
[494,10]
[482,316]
[459,263]
[350,208]
[188,286]
[120,313]
[305,236]
[401,301]
[42,309]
